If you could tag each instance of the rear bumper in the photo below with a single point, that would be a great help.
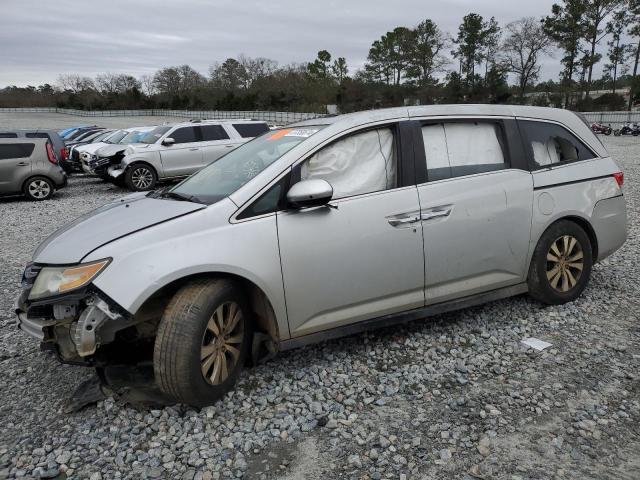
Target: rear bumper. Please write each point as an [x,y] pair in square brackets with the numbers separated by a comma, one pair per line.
[609,221]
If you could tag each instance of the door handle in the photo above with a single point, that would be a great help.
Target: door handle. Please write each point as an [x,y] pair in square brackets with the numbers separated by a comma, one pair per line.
[229,146]
[436,212]
[22,164]
[403,220]
[194,149]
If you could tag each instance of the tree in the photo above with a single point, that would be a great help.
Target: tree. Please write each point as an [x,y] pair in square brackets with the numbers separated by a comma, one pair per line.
[634,31]
[473,40]
[425,57]
[75,83]
[617,52]
[339,69]
[595,13]
[320,68]
[526,40]
[565,27]
[231,75]
[491,45]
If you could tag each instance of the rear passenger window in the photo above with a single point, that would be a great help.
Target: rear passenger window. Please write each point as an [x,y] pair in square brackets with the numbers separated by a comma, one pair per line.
[37,135]
[8,135]
[550,144]
[16,150]
[213,132]
[463,148]
[249,130]
[184,135]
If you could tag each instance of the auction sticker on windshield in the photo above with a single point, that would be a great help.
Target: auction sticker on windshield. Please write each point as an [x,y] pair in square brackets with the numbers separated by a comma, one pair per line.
[302,132]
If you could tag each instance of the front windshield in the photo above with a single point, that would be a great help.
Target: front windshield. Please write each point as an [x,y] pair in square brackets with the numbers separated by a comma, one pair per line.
[131,137]
[101,136]
[154,135]
[230,172]
[116,136]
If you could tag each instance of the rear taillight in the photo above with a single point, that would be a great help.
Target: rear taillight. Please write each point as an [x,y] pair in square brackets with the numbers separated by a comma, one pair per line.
[64,154]
[50,155]
[619,178]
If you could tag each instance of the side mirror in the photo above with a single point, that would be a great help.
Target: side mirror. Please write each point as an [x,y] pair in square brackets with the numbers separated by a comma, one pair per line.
[168,141]
[310,193]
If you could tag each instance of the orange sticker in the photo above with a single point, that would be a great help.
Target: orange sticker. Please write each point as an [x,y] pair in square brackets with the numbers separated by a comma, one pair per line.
[279,134]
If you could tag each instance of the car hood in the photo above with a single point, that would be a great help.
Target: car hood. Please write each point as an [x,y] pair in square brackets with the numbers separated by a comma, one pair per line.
[92,147]
[71,243]
[111,149]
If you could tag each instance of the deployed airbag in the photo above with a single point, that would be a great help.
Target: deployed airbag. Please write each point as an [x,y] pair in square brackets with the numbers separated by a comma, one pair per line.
[358,164]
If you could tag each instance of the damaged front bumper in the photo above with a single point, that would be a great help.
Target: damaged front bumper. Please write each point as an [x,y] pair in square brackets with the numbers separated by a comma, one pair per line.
[115,171]
[74,325]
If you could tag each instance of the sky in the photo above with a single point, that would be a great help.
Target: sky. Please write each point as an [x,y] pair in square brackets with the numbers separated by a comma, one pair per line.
[42,39]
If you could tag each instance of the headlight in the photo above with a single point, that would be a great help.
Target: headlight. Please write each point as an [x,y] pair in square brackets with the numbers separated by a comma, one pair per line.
[57,280]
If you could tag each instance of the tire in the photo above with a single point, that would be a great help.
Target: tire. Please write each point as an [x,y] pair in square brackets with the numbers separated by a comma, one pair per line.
[560,287]
[616,132]
[38,189]
[187,332]
[635,133]
[140,177]
[607,132]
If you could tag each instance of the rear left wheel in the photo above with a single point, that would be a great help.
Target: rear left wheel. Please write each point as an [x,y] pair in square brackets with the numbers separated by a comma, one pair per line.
[561,264]
[38,188]
[202,342]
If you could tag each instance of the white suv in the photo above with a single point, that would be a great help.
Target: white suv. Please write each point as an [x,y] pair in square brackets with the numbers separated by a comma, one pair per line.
[174,151]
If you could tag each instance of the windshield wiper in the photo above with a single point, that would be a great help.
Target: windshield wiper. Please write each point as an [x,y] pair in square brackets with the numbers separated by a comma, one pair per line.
[179,196]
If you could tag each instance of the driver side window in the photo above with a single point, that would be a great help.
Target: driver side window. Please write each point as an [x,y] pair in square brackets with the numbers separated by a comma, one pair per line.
[361,163]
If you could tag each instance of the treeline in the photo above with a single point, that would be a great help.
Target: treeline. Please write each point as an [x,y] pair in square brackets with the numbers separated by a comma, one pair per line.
[408,65]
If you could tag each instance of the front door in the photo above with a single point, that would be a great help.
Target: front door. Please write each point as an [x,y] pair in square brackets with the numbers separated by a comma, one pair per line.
[362,257]
[475,211]
[184,157]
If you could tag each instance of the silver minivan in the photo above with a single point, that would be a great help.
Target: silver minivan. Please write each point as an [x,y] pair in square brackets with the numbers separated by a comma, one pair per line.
[326,228]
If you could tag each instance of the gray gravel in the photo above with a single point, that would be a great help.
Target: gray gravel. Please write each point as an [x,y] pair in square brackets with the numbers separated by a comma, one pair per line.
[456,396]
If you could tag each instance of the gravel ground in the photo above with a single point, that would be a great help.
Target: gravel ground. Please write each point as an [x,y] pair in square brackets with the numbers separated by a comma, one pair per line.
[456,396]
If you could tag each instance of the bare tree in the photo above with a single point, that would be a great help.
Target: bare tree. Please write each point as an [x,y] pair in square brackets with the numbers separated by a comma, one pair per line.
[525,42]
[147,85]
[75,83]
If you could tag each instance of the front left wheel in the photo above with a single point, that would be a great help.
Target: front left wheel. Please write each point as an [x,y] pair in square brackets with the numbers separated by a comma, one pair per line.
[140,177]
[202,342]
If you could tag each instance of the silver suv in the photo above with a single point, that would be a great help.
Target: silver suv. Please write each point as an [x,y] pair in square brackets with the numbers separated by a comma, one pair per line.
[29,166]
[327,228]
[175,151]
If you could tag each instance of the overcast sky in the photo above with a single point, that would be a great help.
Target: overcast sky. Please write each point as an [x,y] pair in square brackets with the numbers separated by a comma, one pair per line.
[44,38]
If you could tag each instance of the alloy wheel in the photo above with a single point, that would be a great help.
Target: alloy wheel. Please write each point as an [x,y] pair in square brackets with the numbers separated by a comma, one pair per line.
[141,178]
[39,189]
[221,343]
[565,262]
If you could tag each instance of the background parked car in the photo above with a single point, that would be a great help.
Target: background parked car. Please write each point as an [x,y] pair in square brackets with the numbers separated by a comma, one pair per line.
[72,153]
[113,153]
[56,141]
[66,133]
[175,151]
[29,166]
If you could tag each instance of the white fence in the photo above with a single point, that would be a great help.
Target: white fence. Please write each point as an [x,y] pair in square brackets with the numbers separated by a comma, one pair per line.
[281,118]
[612,117]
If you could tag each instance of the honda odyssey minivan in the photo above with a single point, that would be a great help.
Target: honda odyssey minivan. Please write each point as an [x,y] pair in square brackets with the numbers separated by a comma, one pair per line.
[326,228]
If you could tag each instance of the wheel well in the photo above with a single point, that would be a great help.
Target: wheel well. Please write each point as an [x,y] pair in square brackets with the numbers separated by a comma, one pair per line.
[586,226]
[265,319]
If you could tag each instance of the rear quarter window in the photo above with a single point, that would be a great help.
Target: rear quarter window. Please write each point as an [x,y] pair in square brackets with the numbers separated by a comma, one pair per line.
[550,144]
[213,132]
[250,130]
[16,150]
